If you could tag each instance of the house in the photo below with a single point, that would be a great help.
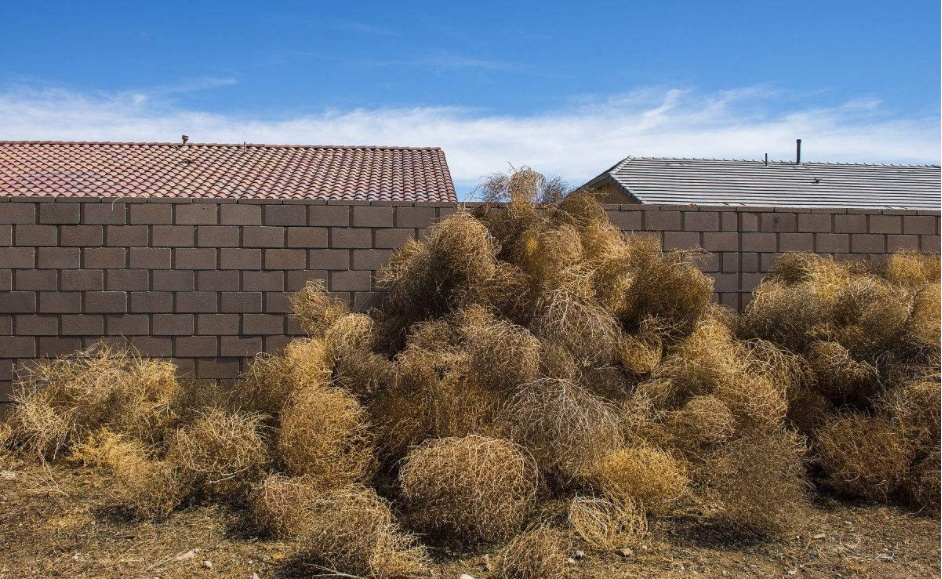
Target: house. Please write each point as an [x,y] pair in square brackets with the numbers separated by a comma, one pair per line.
[716,182]
[246,171]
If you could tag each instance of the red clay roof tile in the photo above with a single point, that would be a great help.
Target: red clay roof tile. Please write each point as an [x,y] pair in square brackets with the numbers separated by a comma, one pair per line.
[83,169]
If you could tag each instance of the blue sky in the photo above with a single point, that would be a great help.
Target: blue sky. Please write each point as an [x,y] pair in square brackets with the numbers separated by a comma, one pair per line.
[566,87]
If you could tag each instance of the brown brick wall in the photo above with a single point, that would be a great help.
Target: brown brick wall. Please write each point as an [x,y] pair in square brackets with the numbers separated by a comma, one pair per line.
[207,282]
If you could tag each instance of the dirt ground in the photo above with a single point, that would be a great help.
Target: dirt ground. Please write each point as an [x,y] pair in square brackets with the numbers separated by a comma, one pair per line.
[61,522]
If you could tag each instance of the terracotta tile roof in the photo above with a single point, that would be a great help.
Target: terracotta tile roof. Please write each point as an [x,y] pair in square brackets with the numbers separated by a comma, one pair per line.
[80,169]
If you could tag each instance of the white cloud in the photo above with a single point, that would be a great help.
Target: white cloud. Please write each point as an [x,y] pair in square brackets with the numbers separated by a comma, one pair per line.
[576,143]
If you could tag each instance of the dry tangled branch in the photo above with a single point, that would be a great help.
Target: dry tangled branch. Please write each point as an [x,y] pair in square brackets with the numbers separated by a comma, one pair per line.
[270,380]
[565,427]
[149,486]
[281,505]
[325,435]
[607,524]
[759,482]
[352,530]
[316,309]
[473,488]
[864,456]
[220,453]
[587,331]
[643,474]
[63,400]
[539,553]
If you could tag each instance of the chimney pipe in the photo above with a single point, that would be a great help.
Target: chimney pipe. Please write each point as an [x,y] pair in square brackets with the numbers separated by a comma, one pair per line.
[798,152]
[766,159]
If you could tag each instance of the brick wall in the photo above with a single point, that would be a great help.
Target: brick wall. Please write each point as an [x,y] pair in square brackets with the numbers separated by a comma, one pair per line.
[207,282]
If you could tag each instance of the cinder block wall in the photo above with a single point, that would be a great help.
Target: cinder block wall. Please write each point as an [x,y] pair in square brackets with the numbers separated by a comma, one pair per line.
[208,282]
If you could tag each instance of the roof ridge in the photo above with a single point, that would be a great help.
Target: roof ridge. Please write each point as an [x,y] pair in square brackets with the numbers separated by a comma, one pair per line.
[643,158]
[192,144]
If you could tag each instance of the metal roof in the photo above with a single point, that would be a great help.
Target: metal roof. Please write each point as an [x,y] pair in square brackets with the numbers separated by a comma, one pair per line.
[81,169]
[776,184]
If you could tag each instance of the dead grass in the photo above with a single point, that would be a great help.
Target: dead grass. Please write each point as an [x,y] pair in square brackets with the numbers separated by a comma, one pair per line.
[46,534]
[595,352]
[351,530]
[611,383]
[922,486]
[643,419]
[864,456]
[702,363]
[501,355]
[566,427]
[912,270]
[151,487]
[544,254]
[757,402]
[325,435]
[350,344]
[587,331]
[316,309]
[363,374]
[602,242]
[915,411]
[808,410]
[857,338]
[788,370]
[6,432]
[539,553]
[643,474]
[923,326]
[521,188]
[641,353]
[508,291]
[341,530]
[472,488]
[788,315]
[606,524]
[668,287]
[434,396]
[61,401]
[797,267]
[348,334]
[759,482]
[436,276]
[869,310]
[280,506]
[271,379]
[583,207]
[702,422]
[220,453]
[870,315]
[557,362]
[838,375]
[710,362]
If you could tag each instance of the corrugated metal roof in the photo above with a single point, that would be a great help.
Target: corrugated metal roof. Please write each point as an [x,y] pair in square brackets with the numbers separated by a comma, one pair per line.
[79,169]
[778,184]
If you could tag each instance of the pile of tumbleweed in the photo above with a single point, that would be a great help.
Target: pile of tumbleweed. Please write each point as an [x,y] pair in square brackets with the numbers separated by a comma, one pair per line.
[534,378]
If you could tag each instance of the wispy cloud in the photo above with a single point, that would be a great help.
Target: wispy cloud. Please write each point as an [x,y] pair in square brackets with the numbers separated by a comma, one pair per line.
[457,61]
[576,143]
[362,28]
[193,85]
[440,62]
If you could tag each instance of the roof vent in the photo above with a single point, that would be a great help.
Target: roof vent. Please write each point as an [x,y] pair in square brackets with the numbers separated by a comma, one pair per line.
[798,152]
[185,139]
